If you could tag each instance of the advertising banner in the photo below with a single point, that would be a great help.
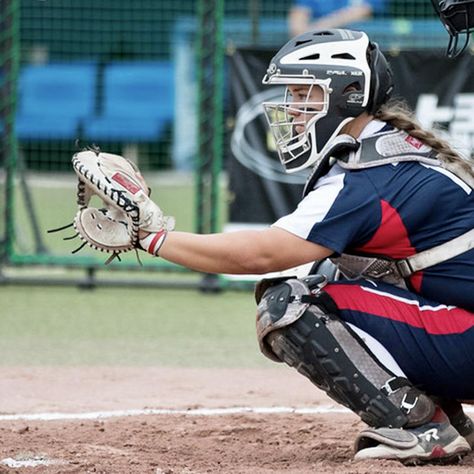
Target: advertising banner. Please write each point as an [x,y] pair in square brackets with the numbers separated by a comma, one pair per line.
[440,91]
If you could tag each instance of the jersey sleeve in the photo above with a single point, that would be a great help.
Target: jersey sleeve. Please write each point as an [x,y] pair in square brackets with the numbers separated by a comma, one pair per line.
[342,211]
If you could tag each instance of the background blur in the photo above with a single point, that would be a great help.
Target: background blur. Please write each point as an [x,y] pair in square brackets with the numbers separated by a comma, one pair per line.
[150,80]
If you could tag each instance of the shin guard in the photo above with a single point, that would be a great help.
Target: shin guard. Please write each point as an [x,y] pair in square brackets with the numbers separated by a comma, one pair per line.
[297,323]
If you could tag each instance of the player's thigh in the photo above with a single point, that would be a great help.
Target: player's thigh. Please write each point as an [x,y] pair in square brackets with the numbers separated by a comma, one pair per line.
[431,342]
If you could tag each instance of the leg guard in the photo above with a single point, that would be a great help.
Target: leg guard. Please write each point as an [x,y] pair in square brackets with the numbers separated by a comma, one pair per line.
[297,323]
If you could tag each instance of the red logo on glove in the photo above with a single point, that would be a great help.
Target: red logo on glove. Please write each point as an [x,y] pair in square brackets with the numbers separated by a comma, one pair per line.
[127,183]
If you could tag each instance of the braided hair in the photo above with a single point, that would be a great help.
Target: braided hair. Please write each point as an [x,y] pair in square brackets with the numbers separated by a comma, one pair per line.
[400,116]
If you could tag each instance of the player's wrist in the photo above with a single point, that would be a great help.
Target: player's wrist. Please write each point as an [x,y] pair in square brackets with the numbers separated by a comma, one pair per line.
[153,241]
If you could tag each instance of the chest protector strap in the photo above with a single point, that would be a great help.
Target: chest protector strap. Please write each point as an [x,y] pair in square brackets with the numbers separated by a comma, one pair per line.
[395,271]
[381,149]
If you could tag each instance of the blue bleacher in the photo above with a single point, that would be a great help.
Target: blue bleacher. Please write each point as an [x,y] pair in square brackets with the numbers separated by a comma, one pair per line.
[53,99]
[138,102]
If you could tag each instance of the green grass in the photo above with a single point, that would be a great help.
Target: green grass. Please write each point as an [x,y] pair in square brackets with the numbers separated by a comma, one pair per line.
[127,327]
[56,206]
[110,326]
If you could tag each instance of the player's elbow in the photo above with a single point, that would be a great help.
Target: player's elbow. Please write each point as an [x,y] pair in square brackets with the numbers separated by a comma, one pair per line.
[259,263]
[259,266]
[267,251]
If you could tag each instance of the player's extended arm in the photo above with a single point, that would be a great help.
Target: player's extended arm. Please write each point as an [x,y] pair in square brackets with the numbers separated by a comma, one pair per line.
[129,219]
[242,252]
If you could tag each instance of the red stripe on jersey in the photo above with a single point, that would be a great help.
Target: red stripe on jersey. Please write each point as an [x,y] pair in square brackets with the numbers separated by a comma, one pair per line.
[391,239]
[416,280]
[445,320]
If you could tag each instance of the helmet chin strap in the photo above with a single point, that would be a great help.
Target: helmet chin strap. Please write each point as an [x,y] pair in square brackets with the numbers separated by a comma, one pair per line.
[306,154]
[341,144]
[319,141]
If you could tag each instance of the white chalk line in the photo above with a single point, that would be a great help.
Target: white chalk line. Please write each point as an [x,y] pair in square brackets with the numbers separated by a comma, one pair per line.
[322,409]
[34,461]
[96,415]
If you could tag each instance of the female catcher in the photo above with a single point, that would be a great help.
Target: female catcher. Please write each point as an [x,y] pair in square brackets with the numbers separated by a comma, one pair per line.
[392,206]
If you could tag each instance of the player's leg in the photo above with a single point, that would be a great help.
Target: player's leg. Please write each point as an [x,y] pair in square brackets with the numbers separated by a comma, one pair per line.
[303,328]
[430,341]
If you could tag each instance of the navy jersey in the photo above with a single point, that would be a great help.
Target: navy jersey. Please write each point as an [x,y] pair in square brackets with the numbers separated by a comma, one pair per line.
[394,210]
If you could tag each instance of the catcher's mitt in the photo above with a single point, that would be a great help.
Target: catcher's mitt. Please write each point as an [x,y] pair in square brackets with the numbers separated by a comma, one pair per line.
[126,209]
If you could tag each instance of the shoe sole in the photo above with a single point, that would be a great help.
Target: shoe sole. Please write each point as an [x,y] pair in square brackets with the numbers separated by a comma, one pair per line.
[449,454]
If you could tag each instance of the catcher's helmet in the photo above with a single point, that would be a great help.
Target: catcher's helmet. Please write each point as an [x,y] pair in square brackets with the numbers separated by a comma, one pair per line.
[354,76]
[457,17]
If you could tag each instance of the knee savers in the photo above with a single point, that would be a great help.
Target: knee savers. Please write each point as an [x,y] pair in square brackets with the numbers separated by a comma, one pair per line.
[297,323]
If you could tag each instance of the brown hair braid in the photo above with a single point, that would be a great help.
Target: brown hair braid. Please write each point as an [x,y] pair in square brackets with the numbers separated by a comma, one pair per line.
[399,115]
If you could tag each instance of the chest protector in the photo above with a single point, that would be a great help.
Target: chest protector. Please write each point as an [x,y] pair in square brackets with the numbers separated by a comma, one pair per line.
[384,148]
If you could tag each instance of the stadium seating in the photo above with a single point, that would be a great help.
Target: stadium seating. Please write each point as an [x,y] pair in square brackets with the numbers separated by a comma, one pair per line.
[53,98]
[138,102]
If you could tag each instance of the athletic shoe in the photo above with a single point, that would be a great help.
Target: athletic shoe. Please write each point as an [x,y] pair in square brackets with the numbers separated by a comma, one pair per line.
[463,424]
[436,441]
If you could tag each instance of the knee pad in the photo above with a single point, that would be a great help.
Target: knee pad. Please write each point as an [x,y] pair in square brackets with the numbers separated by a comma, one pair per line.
[298,324]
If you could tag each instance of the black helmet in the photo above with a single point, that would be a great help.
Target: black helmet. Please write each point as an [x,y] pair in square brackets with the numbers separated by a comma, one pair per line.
[354,76]
[457,17]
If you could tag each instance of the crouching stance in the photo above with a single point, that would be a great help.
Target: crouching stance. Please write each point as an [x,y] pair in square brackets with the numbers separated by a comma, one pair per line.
[386,201]
[300,324]
[393,206]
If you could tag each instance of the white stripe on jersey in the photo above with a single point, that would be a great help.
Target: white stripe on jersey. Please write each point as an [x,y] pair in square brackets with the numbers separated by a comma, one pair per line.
[439,307]
[451,176]
[379,351]
[315,206]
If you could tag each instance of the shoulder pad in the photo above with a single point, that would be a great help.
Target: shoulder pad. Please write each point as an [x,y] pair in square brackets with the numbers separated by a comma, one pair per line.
[389,147]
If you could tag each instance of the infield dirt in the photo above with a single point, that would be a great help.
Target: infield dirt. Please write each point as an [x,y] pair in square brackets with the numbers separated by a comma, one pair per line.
[172,444]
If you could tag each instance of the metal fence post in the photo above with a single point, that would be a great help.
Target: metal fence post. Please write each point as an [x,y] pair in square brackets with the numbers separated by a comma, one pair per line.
[210,118]
[9,64]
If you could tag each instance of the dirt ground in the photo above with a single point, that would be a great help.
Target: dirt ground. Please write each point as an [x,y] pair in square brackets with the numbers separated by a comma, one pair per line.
[178,443]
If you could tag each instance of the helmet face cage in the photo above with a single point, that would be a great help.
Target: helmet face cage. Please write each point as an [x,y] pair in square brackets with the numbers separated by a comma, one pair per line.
[354,77]
[292,122]
[457,17]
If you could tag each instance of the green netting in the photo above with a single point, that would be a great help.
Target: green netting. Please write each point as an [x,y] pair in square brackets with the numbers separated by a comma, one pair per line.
[82,49]
[9,60]
[72,53]
[210,98]
[102,30]
[99,36]
[395,24]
